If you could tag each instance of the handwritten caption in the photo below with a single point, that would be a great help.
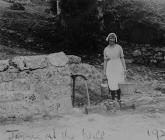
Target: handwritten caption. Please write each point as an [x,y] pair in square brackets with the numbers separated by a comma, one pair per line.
[67,134]
[56,134]
[159,134]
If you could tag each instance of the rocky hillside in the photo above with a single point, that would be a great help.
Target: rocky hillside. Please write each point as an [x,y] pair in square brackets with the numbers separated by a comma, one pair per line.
[146,55]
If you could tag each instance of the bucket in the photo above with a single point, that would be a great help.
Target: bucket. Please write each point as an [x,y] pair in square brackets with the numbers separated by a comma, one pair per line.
[127,88]
[104,88]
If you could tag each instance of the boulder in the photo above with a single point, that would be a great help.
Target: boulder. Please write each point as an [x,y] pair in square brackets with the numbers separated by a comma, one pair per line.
[35,62]
[58,59]
[137,53]
[29,62]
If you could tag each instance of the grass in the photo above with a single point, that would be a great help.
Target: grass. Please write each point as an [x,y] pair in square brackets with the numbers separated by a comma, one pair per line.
[8,52]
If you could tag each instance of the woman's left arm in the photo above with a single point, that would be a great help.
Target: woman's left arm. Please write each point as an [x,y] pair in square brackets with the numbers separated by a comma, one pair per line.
[122,58]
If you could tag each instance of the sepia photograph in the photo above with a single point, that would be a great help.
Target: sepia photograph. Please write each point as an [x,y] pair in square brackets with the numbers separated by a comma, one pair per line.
[82,69]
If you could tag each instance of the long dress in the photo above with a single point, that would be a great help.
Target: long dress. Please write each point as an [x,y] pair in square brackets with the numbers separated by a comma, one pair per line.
[114,69]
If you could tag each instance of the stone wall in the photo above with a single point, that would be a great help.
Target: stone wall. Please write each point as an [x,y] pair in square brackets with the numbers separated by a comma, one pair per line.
[146,55]
[34,86]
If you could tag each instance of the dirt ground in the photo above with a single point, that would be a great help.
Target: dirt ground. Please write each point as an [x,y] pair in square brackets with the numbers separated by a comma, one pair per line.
[119,126]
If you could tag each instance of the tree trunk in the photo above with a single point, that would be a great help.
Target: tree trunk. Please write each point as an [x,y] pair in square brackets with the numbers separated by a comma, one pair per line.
[58,7]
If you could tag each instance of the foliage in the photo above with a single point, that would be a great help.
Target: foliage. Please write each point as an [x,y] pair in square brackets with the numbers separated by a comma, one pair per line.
[53,4]
[134,21]
[81,24]
[17,6]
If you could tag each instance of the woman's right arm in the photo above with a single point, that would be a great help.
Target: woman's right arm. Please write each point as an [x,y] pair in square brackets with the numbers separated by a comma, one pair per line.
[105,63]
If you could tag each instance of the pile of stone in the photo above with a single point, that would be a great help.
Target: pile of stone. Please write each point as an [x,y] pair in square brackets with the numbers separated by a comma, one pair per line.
[146,55]
[37,86]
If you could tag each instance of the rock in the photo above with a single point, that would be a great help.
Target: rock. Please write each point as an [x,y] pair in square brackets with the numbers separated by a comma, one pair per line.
[163,49]
[147,45]
[4,65]
[137,53]
[139,91]
[144,100]
[159,58]
[157,49]
[35,62]
[158,54]
[58,59]
[153,61]
[148,53]
[29,62]
[17,62]
[74,59]
[129,61]
[3,29]
[29,40]
[143,49]
[12,69]
[11,31]
[156,93]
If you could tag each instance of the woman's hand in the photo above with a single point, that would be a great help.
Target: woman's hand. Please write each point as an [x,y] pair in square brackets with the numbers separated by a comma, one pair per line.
[107,59]
[125,71]
[104,77]
[125,74]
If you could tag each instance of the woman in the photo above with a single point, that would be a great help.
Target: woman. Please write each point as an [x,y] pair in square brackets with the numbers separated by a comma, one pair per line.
[114,65]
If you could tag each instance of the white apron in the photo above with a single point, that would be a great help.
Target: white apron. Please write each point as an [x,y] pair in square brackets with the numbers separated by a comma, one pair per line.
[114,69]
